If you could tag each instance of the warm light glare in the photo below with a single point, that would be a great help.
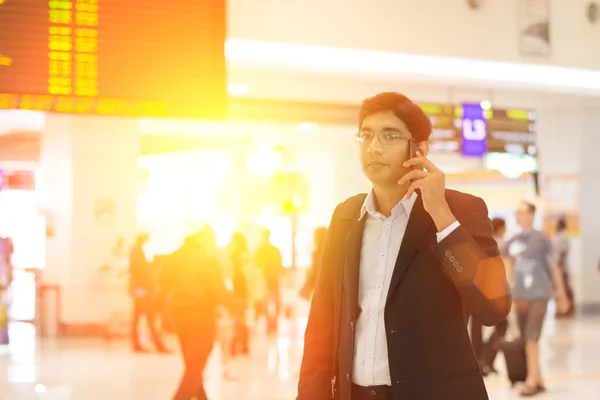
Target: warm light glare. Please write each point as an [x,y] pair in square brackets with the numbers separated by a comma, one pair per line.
[224,225]
[486,105]
[238,90]
[298,203]
[183,195]
[308,127]
[265,161]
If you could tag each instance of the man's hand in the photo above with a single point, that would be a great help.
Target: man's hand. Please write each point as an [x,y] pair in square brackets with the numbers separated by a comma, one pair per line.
[431,181]
[563,305]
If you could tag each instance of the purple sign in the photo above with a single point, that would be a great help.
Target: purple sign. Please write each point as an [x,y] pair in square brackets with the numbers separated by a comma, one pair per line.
[474,131]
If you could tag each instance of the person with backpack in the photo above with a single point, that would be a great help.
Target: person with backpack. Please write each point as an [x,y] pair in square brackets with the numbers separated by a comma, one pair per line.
[6,278]
[402,265]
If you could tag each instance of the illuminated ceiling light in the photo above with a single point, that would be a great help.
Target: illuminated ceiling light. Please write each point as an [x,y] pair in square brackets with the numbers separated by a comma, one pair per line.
[486,105]
[338,60]
[308,127]
[40,388]
[238,90]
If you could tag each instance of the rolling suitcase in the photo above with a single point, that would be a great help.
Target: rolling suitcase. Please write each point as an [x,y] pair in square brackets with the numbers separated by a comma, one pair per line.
[516,360]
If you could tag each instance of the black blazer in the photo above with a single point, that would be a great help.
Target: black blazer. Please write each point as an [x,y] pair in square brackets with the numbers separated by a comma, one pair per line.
[433,287]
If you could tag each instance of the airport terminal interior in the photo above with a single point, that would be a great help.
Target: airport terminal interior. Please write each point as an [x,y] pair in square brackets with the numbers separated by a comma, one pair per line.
[134,133]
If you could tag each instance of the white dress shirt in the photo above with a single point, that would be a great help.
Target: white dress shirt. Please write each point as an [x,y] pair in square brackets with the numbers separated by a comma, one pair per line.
[382,237]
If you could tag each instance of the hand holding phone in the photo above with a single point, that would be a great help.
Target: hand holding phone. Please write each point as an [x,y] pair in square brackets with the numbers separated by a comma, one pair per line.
[413,149]
[414,153]
[430,181]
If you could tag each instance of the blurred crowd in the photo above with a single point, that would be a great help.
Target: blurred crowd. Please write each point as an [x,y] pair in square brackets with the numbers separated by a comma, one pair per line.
[204,295]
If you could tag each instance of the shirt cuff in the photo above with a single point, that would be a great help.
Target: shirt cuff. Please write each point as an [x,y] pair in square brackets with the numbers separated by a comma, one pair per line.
[444,234]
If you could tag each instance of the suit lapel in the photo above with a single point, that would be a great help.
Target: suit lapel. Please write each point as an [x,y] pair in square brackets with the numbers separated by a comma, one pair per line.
[352,247]
[419,224]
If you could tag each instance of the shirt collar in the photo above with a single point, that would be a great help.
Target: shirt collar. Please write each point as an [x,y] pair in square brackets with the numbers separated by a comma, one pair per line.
[404,205]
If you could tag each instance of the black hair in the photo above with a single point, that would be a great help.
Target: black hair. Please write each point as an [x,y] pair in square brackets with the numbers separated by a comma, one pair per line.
[415,119]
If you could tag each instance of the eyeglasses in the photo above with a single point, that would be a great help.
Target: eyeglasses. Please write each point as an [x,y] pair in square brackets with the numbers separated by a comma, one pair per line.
[388,137]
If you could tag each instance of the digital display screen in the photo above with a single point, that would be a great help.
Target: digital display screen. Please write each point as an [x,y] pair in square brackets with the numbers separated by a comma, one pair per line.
[445,135]
[114,57]
[474,132]
[511,131]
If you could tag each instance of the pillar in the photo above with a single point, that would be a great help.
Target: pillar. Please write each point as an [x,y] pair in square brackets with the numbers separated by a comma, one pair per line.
[568,141]
[88,182]
[590,213]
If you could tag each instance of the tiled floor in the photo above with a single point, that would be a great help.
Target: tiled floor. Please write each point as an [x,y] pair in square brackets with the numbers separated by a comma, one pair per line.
[94,370]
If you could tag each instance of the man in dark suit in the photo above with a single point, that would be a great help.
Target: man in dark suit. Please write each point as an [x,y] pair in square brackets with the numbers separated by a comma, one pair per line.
[401,269]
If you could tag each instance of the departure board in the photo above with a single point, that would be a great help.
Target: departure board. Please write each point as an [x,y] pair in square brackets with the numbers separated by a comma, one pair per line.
[445,134]
[114,57]
[512,131]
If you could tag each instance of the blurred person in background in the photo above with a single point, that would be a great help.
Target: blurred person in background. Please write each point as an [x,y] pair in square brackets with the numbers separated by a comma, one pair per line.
[268,260]
[536,280]
[239,254]
[6,266]
[161,263]
[486,351]
[6,278]
[312,274]
[144,290]
[196,287]
[562,249]
[401,265]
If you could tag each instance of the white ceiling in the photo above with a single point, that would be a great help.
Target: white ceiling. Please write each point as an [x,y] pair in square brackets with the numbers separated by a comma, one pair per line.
[300,64]
[327,86]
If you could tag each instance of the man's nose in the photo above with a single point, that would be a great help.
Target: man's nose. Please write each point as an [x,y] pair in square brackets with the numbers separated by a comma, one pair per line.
[375,146]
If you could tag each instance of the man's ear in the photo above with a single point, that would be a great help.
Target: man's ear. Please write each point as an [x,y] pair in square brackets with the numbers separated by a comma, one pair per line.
[423,148]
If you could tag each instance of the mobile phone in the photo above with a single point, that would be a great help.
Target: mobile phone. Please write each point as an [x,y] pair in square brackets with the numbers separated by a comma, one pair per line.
[413,148]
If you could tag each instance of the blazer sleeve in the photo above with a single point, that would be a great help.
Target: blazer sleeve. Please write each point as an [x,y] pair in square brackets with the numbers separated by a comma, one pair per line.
[472,260]
[316,370]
